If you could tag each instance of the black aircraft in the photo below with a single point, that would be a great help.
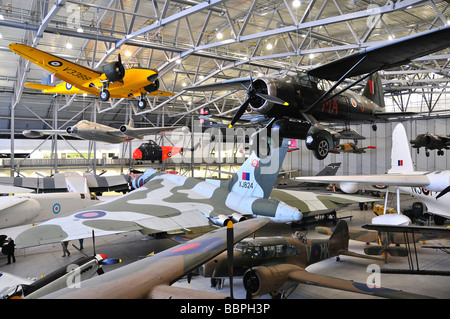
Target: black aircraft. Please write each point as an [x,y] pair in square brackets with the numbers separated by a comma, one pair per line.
[297,104]
[431,142]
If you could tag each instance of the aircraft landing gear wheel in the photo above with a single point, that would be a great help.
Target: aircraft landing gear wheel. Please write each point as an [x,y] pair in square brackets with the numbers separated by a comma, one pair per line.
[104,95]
[142,104]
[322,149]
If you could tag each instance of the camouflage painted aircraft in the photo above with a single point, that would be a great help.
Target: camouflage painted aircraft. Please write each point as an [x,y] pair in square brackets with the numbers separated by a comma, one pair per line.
[112,81]
[297,105]
[170,203]
[152,277]
[276,265]
[385,239]
[431,142]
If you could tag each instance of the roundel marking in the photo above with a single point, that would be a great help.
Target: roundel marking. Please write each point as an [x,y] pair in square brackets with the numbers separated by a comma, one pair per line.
[204,245]
[90,214]
[141,182]
[68,86]
[56,208]
[55,63]
[425,191]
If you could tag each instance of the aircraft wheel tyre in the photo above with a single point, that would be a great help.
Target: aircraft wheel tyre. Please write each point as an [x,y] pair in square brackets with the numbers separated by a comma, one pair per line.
[322,149]
[104,95]
[142,104]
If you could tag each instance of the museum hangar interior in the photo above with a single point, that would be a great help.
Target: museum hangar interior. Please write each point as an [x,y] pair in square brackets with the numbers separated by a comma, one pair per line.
[193,43]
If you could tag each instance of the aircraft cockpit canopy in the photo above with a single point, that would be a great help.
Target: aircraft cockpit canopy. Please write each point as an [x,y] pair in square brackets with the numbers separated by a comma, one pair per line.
[267,251]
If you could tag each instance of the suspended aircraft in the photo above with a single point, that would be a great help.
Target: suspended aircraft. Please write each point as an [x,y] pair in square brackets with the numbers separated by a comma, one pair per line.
[112,81]
[276,265]
[431,142]
[297,106]
[165,203]
[87,130]
[350,148]
[430,187]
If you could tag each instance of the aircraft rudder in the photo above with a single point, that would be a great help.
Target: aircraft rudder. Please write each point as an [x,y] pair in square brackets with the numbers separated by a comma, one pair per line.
[256,177]
[340,238]
[401,160]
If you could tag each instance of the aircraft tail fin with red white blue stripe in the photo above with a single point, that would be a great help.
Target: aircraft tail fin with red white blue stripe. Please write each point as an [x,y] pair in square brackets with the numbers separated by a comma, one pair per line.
[401,160]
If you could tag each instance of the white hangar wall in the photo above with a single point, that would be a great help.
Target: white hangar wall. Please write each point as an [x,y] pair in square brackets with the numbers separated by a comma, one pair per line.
[375,161]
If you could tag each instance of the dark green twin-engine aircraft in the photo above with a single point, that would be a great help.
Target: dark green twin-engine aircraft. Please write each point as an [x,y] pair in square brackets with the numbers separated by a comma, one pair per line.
[296,105]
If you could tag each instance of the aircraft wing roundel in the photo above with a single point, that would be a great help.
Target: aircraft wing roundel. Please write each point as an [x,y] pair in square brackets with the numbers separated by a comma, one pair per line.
[63,69]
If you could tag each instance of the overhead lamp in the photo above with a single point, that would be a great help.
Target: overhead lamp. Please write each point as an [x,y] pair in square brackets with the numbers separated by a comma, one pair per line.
[269,46]
[219,35]
[68,45]
[311,56]
[296,3]
[80,30]
[127,53]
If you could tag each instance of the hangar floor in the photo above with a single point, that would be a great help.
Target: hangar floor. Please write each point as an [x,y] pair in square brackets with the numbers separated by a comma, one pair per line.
[37,261]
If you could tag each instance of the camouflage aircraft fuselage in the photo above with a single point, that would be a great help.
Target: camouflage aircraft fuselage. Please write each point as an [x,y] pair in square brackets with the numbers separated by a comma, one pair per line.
[165,203]
[270,251]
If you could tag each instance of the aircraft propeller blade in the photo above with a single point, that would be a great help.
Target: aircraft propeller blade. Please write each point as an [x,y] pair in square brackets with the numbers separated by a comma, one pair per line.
[272,99]
[445,191]
[230,240]
[239,113]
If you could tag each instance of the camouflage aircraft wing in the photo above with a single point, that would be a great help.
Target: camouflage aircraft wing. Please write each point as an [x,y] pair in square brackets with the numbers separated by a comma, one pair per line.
[302,276]
[161,205]
[75,74]
[151,277]
[311,203]
[386,55]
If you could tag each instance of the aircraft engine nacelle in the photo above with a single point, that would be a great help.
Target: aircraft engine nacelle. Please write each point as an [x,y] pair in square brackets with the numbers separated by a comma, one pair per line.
[236,218]
[262,280]
[275,87]
[128,131]
[32,134]
[114,71]
[220,220]
[349,187]
[152,87]
[321,139]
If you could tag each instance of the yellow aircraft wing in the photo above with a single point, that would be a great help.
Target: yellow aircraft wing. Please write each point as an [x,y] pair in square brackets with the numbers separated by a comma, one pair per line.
[75,74]
[61,88]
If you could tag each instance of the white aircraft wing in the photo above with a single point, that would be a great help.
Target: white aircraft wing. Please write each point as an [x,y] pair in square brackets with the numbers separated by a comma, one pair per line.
[411,180]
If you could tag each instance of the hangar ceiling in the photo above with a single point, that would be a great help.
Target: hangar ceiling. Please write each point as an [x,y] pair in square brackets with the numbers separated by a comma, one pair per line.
[193,42]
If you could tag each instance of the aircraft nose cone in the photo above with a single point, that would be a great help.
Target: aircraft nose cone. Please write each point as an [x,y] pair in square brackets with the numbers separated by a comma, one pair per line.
[137,154]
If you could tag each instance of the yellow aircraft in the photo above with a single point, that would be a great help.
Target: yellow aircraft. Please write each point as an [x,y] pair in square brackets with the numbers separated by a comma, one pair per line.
[113,81]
